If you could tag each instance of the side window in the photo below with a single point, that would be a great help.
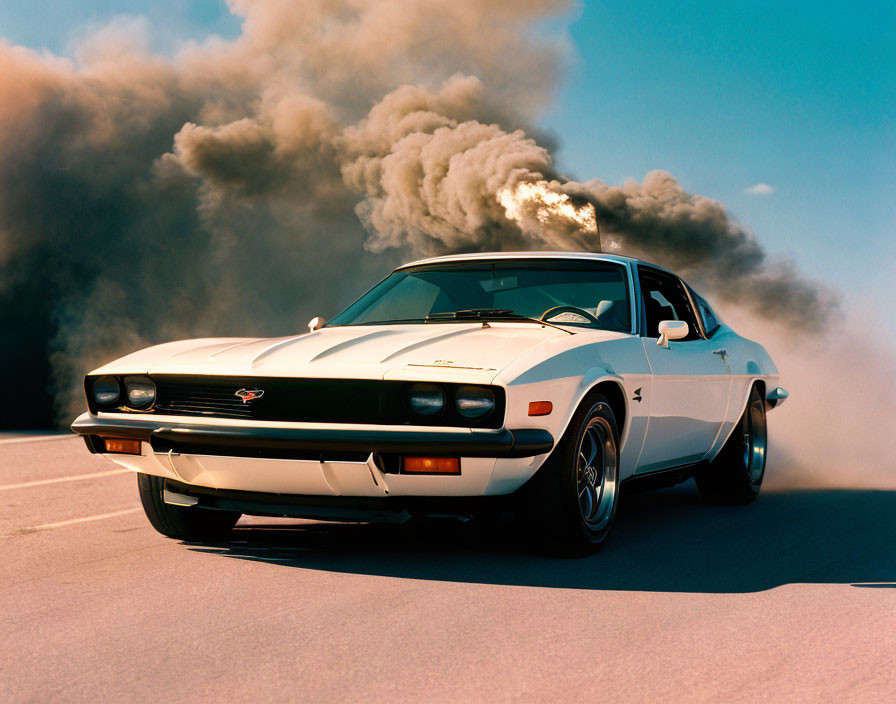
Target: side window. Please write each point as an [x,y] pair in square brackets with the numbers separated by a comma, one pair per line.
[711,322]
[664,298]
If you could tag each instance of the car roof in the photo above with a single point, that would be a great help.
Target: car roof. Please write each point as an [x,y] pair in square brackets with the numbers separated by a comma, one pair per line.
[598,256]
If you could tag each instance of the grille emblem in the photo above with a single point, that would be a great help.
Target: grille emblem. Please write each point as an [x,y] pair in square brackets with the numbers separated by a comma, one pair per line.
[249,394]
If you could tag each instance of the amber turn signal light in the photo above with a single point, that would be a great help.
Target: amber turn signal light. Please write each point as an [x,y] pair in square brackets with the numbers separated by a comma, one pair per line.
[540,408]
[431,465]
[121,446]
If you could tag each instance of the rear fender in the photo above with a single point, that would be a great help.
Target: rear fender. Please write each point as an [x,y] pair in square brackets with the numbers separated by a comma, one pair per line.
[737,404]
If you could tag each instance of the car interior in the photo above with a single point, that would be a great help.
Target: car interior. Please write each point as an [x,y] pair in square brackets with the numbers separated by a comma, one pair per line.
[664,299]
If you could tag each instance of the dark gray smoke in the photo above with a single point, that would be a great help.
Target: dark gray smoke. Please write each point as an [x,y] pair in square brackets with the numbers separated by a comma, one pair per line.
[243,186]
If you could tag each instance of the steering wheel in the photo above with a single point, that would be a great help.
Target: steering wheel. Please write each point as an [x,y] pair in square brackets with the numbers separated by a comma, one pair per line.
[556,310]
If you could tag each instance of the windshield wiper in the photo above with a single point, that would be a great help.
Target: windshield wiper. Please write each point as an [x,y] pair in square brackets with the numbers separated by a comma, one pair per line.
[472,313]
[495,314]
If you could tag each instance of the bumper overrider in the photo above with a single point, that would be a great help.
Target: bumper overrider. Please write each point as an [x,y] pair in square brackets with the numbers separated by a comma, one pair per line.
[227,440]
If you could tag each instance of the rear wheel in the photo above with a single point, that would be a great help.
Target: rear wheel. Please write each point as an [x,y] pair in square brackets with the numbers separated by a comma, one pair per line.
[574,496]
[182,522]
[735,475]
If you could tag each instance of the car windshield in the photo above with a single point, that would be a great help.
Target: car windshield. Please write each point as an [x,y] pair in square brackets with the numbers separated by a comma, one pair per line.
[584,293]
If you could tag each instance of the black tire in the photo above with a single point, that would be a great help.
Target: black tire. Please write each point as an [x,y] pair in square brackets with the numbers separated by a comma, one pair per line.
[182,522]
[735,475]
[570,502]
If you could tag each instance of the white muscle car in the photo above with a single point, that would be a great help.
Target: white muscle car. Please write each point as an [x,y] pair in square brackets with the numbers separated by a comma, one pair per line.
[538,380]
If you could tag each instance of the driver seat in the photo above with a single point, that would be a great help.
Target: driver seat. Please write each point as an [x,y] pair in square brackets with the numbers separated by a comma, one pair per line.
[610,315]
[656,313]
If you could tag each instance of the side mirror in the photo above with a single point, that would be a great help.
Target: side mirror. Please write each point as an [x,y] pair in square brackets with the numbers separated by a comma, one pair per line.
[671,330]
[316,323]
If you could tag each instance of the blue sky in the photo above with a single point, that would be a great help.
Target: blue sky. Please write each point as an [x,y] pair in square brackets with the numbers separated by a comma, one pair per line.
[800,96]
[53,24]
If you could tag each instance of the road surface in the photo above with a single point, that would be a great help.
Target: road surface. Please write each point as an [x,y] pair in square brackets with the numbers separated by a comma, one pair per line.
[790,599]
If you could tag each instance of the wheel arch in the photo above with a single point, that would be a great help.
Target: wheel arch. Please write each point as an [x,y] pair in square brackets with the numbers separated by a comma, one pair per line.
[725,432]
[596,381]
[760,383]
[614,392]
[611,387]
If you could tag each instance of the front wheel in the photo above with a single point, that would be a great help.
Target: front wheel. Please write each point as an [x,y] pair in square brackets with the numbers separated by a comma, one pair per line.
[735,475]
[182,522]
[574,496]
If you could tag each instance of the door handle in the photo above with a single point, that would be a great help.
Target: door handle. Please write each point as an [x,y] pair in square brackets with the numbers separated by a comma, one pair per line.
[723,353]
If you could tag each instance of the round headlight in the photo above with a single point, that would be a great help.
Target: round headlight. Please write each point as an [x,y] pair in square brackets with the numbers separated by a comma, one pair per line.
[426,399]
[474,401]
[106,390]
[141,391]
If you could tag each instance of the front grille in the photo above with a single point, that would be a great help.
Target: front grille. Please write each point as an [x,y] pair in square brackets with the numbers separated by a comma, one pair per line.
[209,398]
[373,401]
[313,400]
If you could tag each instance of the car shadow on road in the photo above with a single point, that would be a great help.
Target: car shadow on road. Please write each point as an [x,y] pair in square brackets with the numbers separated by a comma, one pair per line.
[667,541]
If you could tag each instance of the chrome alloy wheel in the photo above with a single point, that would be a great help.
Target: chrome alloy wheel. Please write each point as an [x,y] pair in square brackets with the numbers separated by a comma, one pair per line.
[596,476]
[755,434]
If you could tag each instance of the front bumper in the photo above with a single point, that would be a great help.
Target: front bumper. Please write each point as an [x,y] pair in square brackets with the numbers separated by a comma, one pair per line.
[367,508]
[238,440]
[338,462]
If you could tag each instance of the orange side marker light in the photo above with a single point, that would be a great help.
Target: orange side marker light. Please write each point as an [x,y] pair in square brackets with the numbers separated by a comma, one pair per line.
[122,446]
[540,408]
[431,465]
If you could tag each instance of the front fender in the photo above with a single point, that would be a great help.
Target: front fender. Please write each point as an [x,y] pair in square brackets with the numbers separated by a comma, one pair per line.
[590,381]
[567,376]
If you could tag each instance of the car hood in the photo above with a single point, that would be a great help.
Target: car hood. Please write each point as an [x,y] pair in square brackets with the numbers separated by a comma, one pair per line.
[468,351]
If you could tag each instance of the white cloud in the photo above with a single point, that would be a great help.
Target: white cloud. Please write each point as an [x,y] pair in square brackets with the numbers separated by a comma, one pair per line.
[760,189]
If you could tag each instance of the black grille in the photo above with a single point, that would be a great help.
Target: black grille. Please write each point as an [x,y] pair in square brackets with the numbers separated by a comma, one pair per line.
[313,400]
[209,398]
[373,401]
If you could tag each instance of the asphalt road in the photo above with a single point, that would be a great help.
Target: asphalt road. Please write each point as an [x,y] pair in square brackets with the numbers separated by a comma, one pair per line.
[790,599]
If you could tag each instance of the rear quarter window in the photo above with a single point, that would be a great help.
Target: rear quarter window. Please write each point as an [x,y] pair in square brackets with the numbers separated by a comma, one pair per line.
[710,320]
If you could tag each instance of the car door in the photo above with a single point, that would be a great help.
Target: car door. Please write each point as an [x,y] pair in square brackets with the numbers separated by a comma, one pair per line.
[691,378]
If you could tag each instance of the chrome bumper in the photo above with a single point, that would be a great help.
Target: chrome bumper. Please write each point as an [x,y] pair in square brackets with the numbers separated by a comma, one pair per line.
[776,397]
[167,436]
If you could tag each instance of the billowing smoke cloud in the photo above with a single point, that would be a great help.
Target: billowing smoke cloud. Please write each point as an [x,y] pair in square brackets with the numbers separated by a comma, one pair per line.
[242,186]
[439,183]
